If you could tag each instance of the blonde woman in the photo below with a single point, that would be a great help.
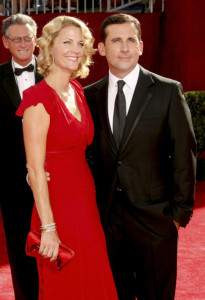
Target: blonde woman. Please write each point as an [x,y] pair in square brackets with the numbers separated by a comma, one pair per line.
[57,128]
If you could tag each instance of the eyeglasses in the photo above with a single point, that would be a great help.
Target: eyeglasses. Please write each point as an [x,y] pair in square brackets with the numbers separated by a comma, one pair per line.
[18,40]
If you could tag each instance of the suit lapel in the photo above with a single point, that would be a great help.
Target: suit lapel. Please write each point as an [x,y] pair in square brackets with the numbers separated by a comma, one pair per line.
[102,107]
[9,84]
[38,77]
[141,97]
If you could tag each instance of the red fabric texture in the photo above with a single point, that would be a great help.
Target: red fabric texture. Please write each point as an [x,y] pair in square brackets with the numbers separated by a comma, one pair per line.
[72,196]
[173,41]
[181,44]
[191,254]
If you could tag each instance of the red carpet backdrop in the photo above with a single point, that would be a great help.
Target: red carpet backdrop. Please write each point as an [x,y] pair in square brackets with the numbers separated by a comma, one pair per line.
[173,41]
[173,47]
[191,256]
[6,288]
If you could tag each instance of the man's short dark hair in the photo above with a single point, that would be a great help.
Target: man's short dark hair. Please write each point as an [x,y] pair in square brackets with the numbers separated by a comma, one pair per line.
[118,19]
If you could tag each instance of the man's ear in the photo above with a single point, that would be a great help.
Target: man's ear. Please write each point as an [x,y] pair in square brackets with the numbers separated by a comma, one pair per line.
[35,39]
[5,42]
[140,47]
[101,49]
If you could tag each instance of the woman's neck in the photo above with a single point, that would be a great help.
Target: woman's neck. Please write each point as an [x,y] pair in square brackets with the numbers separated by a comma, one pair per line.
[59,83]
[58,79]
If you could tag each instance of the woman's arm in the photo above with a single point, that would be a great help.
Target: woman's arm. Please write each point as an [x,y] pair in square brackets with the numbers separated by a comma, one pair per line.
[36,123]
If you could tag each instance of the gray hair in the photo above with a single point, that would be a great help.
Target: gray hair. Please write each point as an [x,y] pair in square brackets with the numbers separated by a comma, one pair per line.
[18,19]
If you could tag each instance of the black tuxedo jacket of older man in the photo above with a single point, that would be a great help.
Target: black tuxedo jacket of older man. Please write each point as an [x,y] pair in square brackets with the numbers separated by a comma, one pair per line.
[16,199]
[155,166]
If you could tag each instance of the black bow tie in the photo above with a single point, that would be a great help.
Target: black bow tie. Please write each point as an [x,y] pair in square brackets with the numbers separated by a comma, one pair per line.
[19,71]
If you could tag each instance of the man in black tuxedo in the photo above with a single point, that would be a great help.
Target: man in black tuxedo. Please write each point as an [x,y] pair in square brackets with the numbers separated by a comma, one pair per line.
[19,37]
[143,157]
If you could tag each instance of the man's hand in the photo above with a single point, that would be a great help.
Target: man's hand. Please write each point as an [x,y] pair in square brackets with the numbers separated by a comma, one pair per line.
[47,177]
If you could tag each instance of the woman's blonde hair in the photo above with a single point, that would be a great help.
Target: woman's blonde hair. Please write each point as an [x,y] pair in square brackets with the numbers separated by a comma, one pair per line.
[50,32]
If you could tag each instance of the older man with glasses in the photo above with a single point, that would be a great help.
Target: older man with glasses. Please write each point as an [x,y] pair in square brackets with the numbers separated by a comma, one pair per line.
[16,75]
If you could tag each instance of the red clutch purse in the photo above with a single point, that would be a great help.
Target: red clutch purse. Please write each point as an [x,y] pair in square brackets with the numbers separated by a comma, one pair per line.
[32,247]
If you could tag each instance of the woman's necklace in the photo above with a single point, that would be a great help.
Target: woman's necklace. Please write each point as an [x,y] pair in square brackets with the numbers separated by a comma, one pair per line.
[65,96]
[68,97]
[69,100]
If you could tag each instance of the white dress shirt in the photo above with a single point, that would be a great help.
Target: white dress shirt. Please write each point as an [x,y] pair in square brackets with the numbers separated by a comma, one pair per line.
[26,79]
[128,89]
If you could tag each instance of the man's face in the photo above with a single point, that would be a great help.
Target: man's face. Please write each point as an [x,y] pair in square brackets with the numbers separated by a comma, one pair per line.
[122,48]
[21,42]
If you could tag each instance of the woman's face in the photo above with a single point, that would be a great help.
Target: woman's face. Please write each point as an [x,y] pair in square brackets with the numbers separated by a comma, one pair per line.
[68,49]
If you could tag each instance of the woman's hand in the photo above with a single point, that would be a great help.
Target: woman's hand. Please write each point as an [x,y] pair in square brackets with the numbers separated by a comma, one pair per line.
[177,224]
[49,245]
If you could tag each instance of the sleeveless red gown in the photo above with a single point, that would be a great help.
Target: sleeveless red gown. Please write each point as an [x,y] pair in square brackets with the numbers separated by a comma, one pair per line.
[72,195]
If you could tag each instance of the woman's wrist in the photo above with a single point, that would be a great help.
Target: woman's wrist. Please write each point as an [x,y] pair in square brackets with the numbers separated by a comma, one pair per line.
[48,227]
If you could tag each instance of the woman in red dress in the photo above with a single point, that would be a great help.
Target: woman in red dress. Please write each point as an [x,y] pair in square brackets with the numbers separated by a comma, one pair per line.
[57,128]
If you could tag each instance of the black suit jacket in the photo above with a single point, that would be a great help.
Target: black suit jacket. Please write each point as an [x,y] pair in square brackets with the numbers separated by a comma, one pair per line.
[12,146]
[17,199]
[155,165]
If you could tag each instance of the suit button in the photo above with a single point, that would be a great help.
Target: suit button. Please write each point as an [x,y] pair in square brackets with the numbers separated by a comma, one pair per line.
[119,163]
[118,189]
